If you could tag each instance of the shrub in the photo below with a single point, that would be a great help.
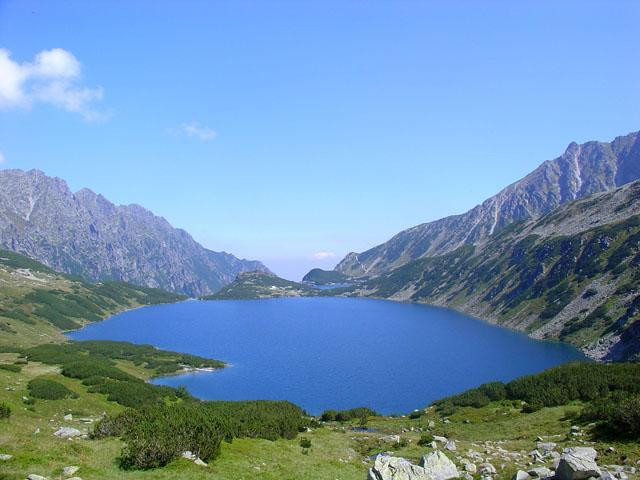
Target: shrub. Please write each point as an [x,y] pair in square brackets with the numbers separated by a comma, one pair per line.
[5,411]
[305,443]
[346,415]
[618,415]
[425,439]
[49,389]
[10,367]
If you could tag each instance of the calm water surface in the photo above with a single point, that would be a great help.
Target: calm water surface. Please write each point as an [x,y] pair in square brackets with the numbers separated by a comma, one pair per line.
[339,353]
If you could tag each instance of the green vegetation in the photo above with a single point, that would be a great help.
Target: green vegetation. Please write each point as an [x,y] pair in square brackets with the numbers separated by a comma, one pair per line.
[346,415]
[156,435]
[5,411]
[46,389]
[10,367]
[253,285]
[323,277]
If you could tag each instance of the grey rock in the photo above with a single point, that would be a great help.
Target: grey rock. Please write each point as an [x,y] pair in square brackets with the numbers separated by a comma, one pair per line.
[520,475]
[487,469]
[5,457]
[85,234]
[395,468]
[70,470]
[541,472]
[200,463]
[470,467]
[438,438]
[33,476]
[546,447]
[450,445]
[438,466]
[390,439]
[67,432]
[578,463]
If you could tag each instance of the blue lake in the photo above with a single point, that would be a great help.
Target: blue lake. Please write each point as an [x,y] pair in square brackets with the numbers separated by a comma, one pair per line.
[338,353]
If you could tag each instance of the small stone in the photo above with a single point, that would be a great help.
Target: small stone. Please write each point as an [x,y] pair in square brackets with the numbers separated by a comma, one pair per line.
[5,456]
[188,455]
[450,445]
[33,476]
[68,417]
[390,439]
[199,462]
[70,470]
[440,439]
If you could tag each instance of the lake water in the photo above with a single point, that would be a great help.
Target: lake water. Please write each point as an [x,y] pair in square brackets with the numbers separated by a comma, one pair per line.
[338,353]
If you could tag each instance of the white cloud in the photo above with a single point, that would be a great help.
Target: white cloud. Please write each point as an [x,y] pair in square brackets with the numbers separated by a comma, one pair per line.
[2,158]
[53,78]
[194,129]
[323,255]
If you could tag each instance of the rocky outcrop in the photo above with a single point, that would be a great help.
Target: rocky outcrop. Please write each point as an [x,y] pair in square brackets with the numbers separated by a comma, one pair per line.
[581,171]
[85,234]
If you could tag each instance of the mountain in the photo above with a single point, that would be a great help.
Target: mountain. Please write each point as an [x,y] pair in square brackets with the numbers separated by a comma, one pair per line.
[84,234]
[582,170]
[571,275]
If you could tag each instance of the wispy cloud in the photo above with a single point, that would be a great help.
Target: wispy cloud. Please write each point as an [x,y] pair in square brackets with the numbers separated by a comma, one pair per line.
[53,77]
[323,255]
[2,158]
[201,132]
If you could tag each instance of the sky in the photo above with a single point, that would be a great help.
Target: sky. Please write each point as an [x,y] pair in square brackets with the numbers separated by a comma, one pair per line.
[296,132]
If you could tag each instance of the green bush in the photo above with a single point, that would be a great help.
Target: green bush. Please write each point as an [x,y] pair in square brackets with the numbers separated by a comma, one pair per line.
[305,443]
[425,439]
[49,389]
[346,415]
[156,434]
[10,367]
[618,415]
[5,411]
[556,386]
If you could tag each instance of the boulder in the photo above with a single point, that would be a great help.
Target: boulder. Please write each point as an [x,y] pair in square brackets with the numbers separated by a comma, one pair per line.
[578,463]
[67,432]
[541,472]
[395,468]
[390,439]
[437,466]
[450,445]
[70,470]
[521,475]
[546,447]
[487,469]
[440,439]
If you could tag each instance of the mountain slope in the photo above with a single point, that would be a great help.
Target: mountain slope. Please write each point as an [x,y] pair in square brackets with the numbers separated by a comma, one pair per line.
[37,303]
[573,275]
[582,170]
[85,234]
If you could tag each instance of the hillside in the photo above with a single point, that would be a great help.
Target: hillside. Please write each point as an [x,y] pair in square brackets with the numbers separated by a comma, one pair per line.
[325,277]
[580,171]
[85,234]
[251,285]
[572,275]
[37,304]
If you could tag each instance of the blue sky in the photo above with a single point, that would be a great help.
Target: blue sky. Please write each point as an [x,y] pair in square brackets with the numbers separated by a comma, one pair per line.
[278,130]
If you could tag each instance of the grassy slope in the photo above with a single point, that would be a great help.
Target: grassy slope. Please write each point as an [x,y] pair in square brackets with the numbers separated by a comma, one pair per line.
[38,304]
[336,452]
